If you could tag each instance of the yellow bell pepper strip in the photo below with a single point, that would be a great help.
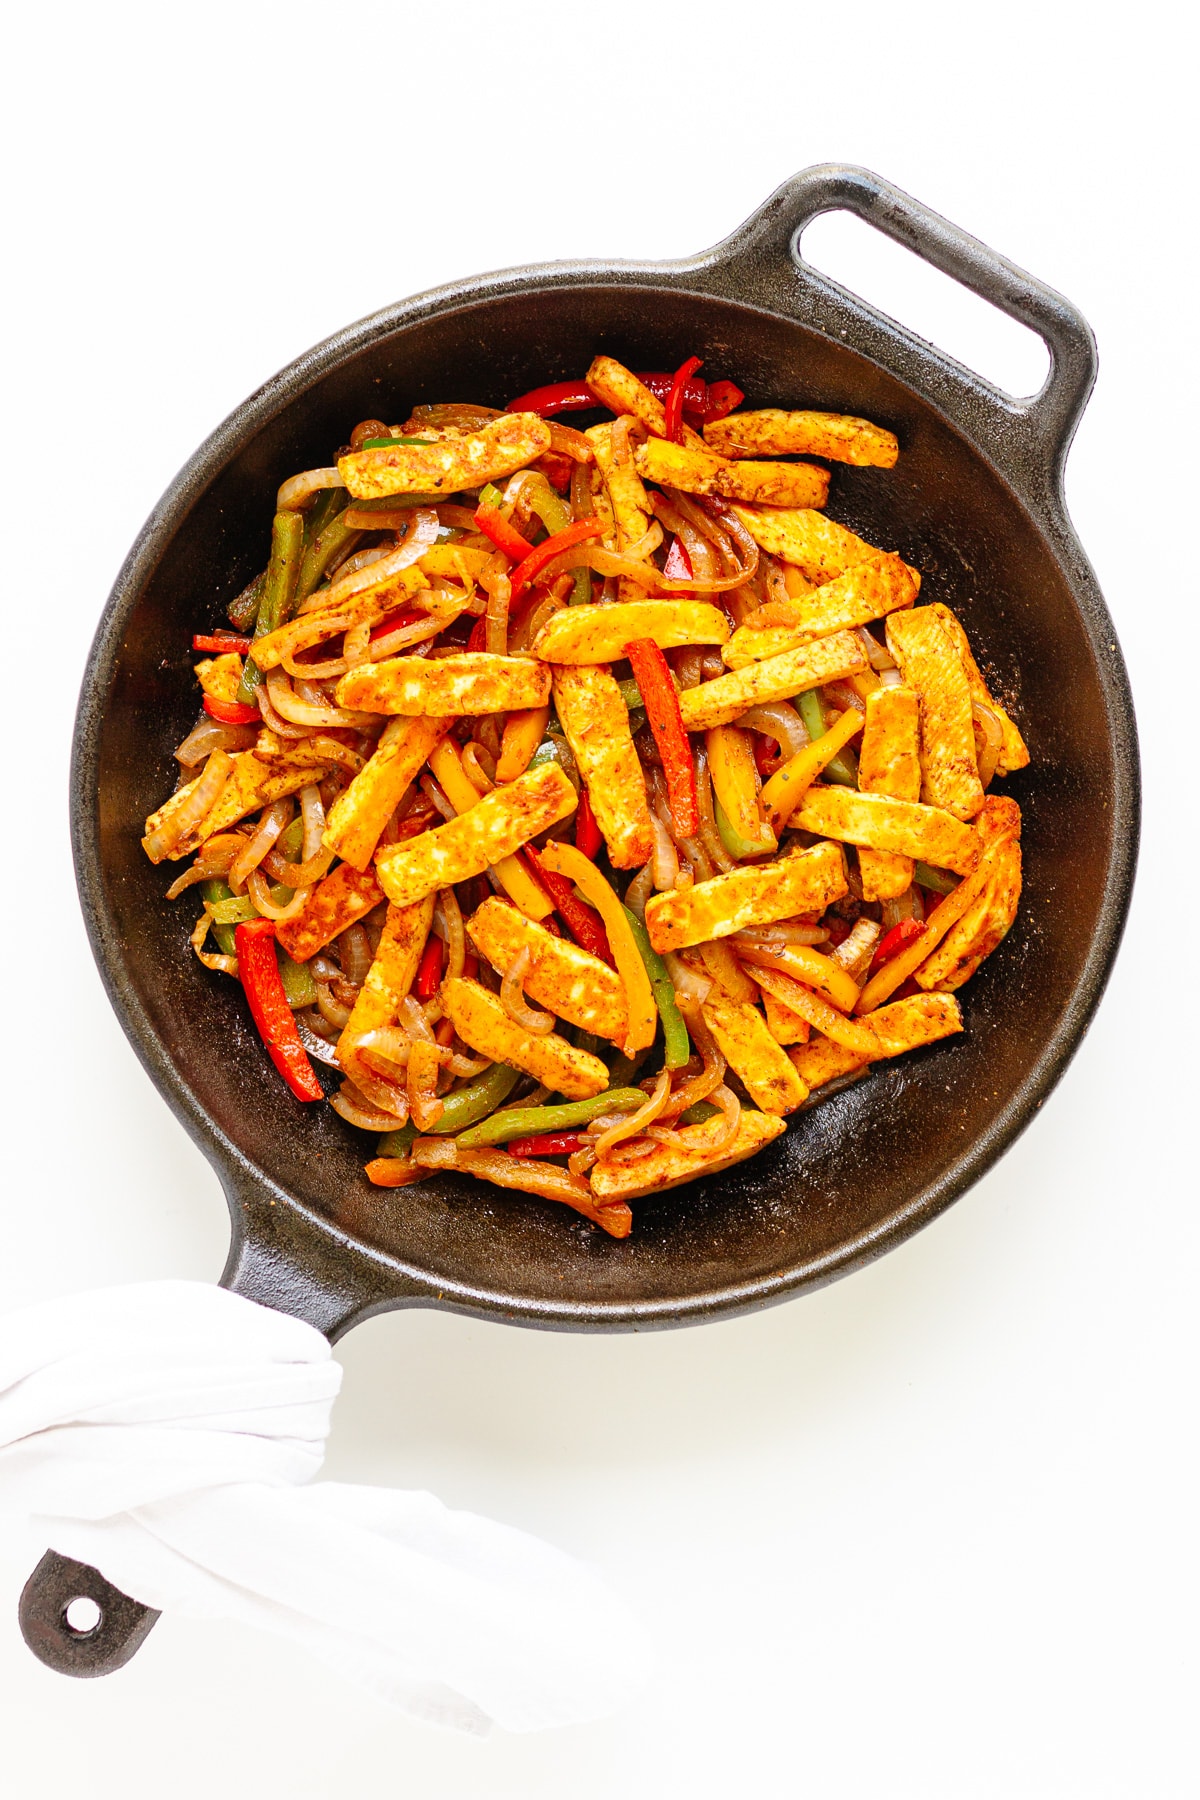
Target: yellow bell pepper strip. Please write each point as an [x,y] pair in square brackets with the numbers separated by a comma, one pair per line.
[735,786]
[218,893]
[523,732]
[279,590]
[565,859]
[528,1121]
[260,977]
[809,966]
[675,1036]
[462,794]
[740,848]
[785,790]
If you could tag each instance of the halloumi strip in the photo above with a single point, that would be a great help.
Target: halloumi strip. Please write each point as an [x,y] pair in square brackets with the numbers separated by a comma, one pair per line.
[626,493]
[853,1035]
[754,483]
[982,927]
[450,463]
[595,719]
[360,812]
[820,548]
[481,1021]
[807,881]
[624,1175]
[770,431]
[948,912]
[251,785]
[753,1054]
[599,634]
[889,763]
[619,389]
[722,701]
[343,897]
[473,682]
[902,1026]
[479,839]
[785,1026]
[463,795]
[929,661]
[366,605]
[1015,754]
[390,977]
[882,584]
[568,980]
[907,826]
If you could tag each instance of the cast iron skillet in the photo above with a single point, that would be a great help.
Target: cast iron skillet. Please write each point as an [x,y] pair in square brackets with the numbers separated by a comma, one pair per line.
[976,503]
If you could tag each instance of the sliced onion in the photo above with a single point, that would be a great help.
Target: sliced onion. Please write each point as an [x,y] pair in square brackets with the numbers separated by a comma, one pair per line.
[355,953]
[301,488]
[633,1124]
[709,1138]
[331,1009]
[665,861]
[691,987]
[993,740]
[512,996]
[877,654]
[290,703]
[569,442]
[274,722]
[887,678]
[272,822]
[416,1020]
[456,942]
[355,1108]
[639,891]
[214,858]
[787,931]
[180,822]
[496,584]
[315,1044]
[222,965]
[421,631]
[455,415]
[854,953]
[312,811]
[259,891]
[422,532]
[779,720]
[209,735]
[307,874]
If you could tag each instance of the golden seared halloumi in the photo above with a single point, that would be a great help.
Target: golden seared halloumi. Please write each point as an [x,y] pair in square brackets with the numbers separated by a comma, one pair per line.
[870,590]
[722,701]
[340,899]
[772,432]
[493,829]
[819,548]
[889,763]
[904,1025]
[907,827]
[625,1173]
[220,676]
[251,785]
[450,462]
[481,1021]
[619,389]
[696,471]
[570,981]
[626,492]
[785,1026]
[752,643]
[390,977]
[987,920]
[473,682]
[1015,754]
[805,881]
[752,1053]
[360,812]
[364,605]
[595,719]
[599,634]
[928,659]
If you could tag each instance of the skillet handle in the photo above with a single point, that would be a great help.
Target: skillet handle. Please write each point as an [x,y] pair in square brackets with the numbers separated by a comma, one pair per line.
[1028,438]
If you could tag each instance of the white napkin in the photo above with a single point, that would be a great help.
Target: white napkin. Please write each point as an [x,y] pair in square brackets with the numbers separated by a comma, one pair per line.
[164,1433]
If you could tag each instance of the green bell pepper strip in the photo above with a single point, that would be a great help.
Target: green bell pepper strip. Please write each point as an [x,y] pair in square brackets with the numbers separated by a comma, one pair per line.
[696,1115]
[812,711]
[532,1121]
[328,503]
[470,1104]
[940,880]
[386,443]
[397,1143]
[297,979]
[622,1068]
[213,893]
[321,550]
[631,694]
[734,842]
[234,911]
[279,592]
[243,611]
[291,841]
[675,1037]
[555,515]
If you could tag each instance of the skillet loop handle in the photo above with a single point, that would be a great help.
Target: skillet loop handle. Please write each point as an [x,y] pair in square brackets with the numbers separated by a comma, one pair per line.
[1025,436]
[97,1646]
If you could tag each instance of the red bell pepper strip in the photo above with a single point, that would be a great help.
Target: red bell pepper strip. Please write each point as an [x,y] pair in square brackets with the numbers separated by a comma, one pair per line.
[673,405]
[766,754]
[478,637]
[429,969]
[493,524]
[231,712]
[259,973]
[577,396]
[581,920]
[221,642]
[723,396]
[678,566]
[587,833]
[550,1143]
[893,941]
[393,622]
[652,673]
[551,547]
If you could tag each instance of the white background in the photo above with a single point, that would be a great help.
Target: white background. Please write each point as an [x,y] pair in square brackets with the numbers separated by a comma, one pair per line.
[929,1532]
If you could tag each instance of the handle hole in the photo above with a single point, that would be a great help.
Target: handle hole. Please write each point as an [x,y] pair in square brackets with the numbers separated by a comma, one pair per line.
[935,306]
[82,1616]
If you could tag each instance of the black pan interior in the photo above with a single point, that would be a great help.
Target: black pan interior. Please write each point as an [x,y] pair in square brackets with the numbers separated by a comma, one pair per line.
[851,1174]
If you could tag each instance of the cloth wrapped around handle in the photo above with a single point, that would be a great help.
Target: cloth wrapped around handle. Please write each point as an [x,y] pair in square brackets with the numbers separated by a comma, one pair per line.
[168,1433]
